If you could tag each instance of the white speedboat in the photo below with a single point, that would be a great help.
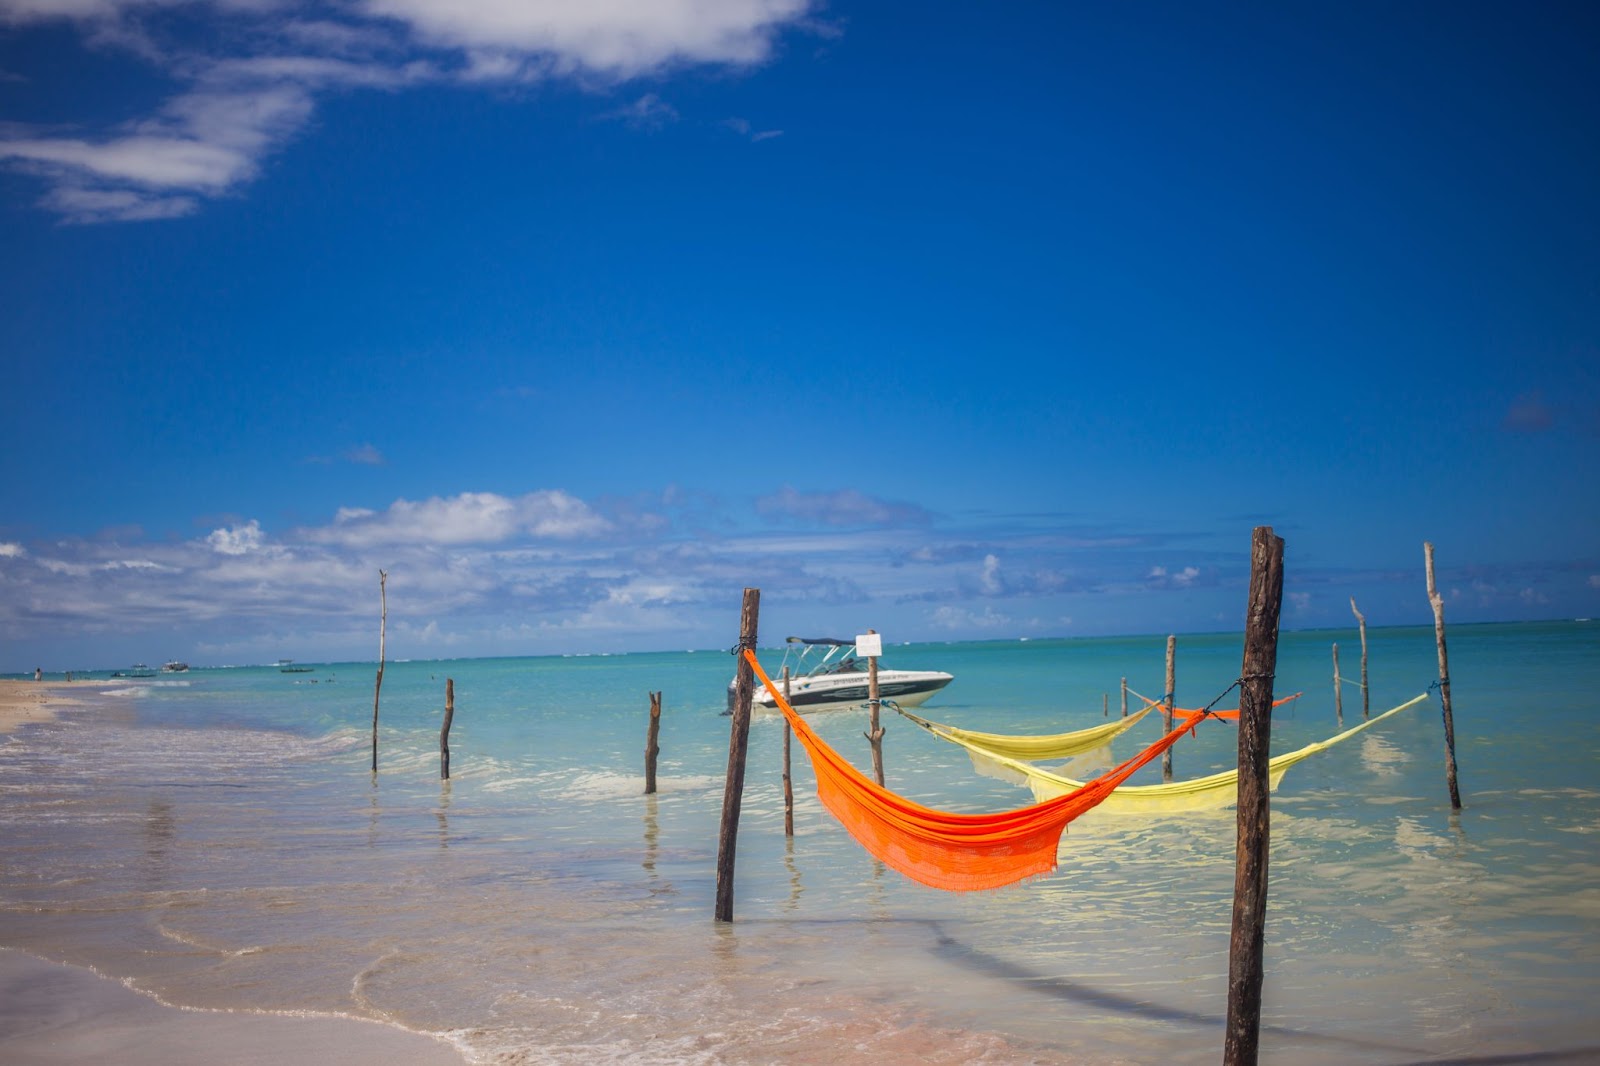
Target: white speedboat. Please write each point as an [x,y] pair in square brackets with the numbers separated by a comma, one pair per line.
[827,674]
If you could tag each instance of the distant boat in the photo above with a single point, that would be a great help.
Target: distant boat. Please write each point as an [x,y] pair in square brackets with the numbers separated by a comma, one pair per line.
[175,667]
[287,666]
[137,670]
[820,682]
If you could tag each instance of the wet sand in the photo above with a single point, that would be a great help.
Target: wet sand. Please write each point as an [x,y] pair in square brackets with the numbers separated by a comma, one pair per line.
[52,1014]
[38,701]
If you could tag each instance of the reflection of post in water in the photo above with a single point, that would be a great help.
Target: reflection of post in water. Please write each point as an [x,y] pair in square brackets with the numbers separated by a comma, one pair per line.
[443,813]
[652,835]
[160,829]
[372,814]
[795,887]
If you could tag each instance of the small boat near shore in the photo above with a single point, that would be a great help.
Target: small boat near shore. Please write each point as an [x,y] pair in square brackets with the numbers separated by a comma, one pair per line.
[175,667]
[136,670]
[287,666]
[826,673]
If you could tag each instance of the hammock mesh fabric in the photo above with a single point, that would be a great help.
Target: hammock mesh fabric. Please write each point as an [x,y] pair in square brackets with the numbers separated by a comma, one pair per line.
[1171,797]
[955,852]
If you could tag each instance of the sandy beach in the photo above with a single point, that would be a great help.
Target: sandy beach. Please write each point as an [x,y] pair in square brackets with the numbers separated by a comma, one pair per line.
[52,1013]
[39,701]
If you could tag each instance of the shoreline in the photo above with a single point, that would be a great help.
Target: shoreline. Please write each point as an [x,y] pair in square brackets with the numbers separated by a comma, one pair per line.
[55,1013]
[25,702]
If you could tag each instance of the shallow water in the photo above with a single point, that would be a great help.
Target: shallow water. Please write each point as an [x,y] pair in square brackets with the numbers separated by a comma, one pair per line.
[218,840]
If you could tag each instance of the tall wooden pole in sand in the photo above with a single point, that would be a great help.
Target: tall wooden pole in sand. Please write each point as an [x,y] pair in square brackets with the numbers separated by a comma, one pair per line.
[738,743]
[1167,703]
[651,747]
[1338,694]
[875,730]
[383,629]
[1444,682]
[788,779]
[1245,948]
[444,730]
[1361,620]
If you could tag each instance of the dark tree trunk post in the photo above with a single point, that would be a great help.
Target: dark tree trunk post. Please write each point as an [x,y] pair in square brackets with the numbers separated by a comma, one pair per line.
[788,780]
[1245,947]
[651,748]
[1124,697]
[383,629]
[1444,682]
[1338,695]
[738,744]
[1168,703]
[444,730]
[875,730]
[1361,620]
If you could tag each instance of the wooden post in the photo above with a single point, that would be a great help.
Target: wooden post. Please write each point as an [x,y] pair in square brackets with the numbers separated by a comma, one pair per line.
[1338,696]
[1168,703]
[383,628]
[1105,705]
[1245,947]
[788,781]
[444,731]
[651,748]
[1444,682]
[738,743]
[1124,697]
[875,731]
[1361,619]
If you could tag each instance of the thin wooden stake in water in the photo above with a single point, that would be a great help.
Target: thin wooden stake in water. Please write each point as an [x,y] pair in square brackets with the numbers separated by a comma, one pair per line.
[738,743]
[383,629]
[1361,620]
[1167,704]
[651,748]
[1444,681]
[1124,697]
[1105,705]
[444,730]
[875,731]
[788,781]
[1338,696]
[1241,1043]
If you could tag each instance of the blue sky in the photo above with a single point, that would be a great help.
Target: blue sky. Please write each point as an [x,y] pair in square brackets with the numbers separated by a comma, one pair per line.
[952,322]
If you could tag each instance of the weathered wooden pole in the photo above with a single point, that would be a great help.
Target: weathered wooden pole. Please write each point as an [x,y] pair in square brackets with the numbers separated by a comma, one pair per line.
[1338,695]
[875,731]
[738,743]
[444,730]
[1444,681]
[383,629]
[1124,697]
[1361,620]
[1105,705]
[788,780]
[651,748]
[1241,1044]
[1168,703]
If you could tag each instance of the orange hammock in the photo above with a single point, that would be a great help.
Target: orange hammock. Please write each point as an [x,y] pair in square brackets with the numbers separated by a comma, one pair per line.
[956,852]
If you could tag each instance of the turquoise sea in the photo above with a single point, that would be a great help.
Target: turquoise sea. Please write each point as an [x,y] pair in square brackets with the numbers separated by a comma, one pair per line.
[216,839]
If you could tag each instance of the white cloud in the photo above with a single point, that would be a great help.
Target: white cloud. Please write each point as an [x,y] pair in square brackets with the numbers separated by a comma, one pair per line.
[13,550]
[469,518]
[238,540]
[232,110]
[619,39]
[991,580]
[844,508]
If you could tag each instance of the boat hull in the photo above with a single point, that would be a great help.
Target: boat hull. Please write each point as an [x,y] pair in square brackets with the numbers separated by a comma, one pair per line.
[908,688]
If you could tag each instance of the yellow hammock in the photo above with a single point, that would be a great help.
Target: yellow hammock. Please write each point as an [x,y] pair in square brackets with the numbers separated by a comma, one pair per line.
[1198,794]
[1054,746]
[1034,748]
[955,852]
